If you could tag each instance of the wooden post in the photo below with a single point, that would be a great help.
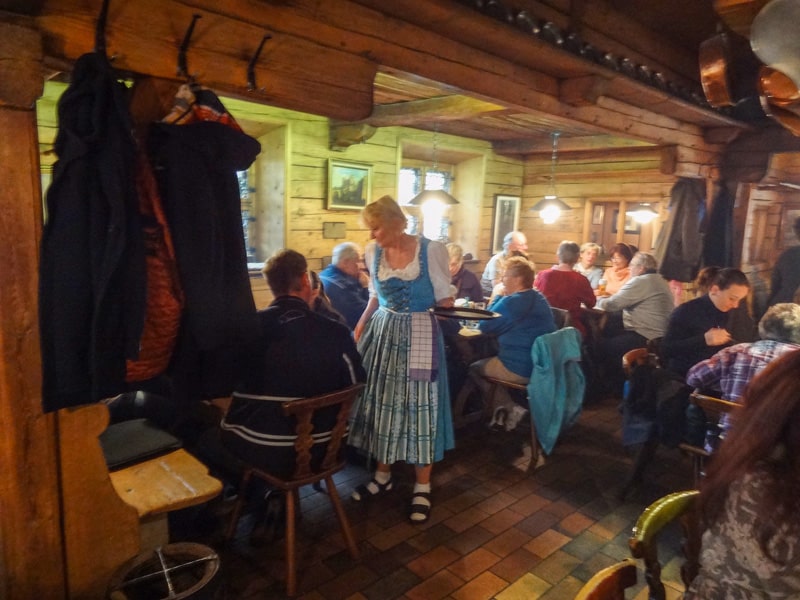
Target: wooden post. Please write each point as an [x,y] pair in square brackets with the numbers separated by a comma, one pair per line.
[31,555]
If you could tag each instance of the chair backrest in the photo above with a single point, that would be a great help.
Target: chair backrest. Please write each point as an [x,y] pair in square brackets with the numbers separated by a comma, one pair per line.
[610,583]
[562,317]
[643,541]
[637,356]
[712,407]
[304,411]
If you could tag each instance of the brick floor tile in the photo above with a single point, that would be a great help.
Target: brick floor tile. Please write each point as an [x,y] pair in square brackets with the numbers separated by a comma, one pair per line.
[515,565]
[556,566]
[544,544]
[433,561]
[483,587]
[508,541]
[537,523]
[465,519]
[392,586]
[575,523]
[585,545]
[394,535]
[473,564]
[467,541]
[527,505]
[428,539]
[495,502]
[564,589]
[440,585]
[348,583]
[527,587]
[502,520]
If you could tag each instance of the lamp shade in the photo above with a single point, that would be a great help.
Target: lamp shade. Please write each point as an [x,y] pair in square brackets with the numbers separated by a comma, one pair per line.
[774,39]
[550,208]
[642,213]
[435,195]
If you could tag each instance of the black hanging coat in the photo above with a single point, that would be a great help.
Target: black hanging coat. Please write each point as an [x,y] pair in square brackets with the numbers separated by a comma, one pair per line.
[680,242]
[92,268]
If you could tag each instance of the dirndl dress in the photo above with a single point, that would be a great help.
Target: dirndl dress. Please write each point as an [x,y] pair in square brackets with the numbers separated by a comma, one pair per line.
[400,417]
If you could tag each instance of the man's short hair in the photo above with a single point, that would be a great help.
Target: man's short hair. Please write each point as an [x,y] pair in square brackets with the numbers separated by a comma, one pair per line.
[568,252]
[345,251]
[521,267]
[284,271]
[781,323]
[647,261]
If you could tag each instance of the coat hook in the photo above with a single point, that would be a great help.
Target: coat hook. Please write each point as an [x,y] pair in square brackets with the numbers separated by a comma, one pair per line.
[251,66]
[100,30]
[183,70]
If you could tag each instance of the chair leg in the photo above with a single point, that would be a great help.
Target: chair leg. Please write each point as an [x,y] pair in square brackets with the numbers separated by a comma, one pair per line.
[343,522]
[535,448]
[291,561]
[237,508]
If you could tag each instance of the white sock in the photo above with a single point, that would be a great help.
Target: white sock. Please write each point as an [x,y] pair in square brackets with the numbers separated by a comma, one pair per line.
[382,476]
[420,487]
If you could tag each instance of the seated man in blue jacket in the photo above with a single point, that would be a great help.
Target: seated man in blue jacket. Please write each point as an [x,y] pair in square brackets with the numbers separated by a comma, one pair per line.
[524,316]
[345,284]
[298,353]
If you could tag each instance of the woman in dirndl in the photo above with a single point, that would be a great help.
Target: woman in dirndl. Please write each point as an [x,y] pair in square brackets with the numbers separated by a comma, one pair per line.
[404,411]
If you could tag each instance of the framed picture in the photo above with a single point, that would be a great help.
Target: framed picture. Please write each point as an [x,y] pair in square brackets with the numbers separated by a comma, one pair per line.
[506,219]
[631,226]
[349,184]
[598,212]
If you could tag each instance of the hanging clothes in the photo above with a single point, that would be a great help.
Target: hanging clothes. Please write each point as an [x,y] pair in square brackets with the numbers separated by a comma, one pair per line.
[680,242]
[92,267]
[195,163]
[718,231]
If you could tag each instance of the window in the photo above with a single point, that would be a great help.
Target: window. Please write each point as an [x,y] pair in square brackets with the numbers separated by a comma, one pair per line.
[430,221]
[247,214]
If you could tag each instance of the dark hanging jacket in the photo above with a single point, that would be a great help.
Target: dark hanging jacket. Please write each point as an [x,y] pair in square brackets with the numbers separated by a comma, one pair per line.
[195,165]
[679,245]
[92,268]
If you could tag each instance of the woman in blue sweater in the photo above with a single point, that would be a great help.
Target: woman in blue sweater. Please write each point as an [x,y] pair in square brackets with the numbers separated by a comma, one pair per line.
[524,316]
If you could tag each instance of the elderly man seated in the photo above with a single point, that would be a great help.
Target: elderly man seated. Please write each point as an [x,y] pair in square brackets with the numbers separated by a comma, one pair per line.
[646,303]
[514,244]
[345,284]
[524,316]
[730,370]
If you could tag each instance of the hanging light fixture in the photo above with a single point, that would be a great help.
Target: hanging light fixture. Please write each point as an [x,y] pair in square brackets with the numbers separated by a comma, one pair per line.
[426,196]
[643,213]
[550,206]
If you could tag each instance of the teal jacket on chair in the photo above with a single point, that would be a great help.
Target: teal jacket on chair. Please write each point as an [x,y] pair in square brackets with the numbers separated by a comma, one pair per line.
[557,384]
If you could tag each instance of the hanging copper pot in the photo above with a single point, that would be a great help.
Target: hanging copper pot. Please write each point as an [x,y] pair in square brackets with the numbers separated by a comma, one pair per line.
[714,57]
[777,87]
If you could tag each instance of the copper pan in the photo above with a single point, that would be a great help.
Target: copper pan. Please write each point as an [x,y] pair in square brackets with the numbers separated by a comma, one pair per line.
[788,118]
[777,86]
[714,58]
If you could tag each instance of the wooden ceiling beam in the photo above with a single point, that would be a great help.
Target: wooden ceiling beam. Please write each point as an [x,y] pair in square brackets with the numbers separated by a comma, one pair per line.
[445,108]
[540,144]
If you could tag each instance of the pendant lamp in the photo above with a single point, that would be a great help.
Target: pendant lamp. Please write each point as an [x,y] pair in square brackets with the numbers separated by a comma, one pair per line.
[426,195]
[550,206]
[642,213]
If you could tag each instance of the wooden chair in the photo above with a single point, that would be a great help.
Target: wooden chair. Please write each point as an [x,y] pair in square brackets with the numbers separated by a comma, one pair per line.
[521,387]
[643,541]
[713,408]
[562,317]
[306,473]
[610,583]
[637,356]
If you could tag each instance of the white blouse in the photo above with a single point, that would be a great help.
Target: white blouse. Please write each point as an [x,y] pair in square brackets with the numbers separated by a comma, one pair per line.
[438,268]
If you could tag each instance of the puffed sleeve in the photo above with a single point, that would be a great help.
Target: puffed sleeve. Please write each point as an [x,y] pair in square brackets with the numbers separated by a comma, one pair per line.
[369,261]
[439,270]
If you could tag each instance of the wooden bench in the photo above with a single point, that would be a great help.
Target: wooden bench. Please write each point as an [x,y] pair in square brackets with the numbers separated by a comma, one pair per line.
[111,517]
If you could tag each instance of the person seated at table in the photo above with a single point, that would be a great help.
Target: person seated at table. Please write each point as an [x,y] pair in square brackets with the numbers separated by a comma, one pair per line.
[524,315]
[464,280]
[619,272]
[345,283]
[730,370]
[585,265]
[697,329]
[740,323]
[298,353]
[320,303]
[564,288]
[514,244]
[646,304]
[749,501]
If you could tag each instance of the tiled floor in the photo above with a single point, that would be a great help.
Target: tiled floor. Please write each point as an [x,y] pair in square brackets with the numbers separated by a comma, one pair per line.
[496,530]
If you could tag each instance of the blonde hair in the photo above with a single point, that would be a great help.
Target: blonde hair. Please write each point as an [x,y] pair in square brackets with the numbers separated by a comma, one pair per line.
[455,252]
[383,211]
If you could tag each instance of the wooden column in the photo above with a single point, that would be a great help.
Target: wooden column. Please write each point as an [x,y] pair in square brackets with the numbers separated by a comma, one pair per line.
[31,555]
